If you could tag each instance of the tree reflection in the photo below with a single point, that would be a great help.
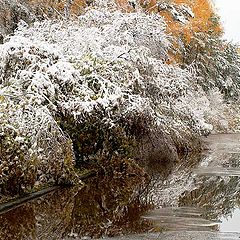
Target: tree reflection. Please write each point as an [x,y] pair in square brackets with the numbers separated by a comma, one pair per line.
[105,206]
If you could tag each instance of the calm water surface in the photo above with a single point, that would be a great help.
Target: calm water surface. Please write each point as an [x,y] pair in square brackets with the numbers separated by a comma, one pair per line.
[197,198]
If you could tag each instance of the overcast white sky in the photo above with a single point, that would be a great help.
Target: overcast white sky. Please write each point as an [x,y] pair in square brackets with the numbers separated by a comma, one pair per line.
[229,11]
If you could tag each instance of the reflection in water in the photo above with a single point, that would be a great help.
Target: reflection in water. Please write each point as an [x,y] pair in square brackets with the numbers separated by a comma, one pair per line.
[217,195]
[181,218]
[103,207]
[218,171]
[108,207]
[212,187]
[217,185]
[19,224]
[164,190]
[45,218]
[193,195]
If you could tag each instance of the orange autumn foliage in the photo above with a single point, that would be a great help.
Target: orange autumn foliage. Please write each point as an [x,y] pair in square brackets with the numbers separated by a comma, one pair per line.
[204,17]
[205,21]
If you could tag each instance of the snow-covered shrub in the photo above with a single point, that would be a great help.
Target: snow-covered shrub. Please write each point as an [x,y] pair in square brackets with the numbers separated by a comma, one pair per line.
[34,151]
[16,171]
[93,88]
[45,152]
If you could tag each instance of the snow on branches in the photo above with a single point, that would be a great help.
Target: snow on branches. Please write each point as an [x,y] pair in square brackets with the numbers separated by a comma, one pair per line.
[64,83]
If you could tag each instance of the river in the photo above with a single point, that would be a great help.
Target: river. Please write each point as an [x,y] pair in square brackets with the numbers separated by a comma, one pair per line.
[196,198]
